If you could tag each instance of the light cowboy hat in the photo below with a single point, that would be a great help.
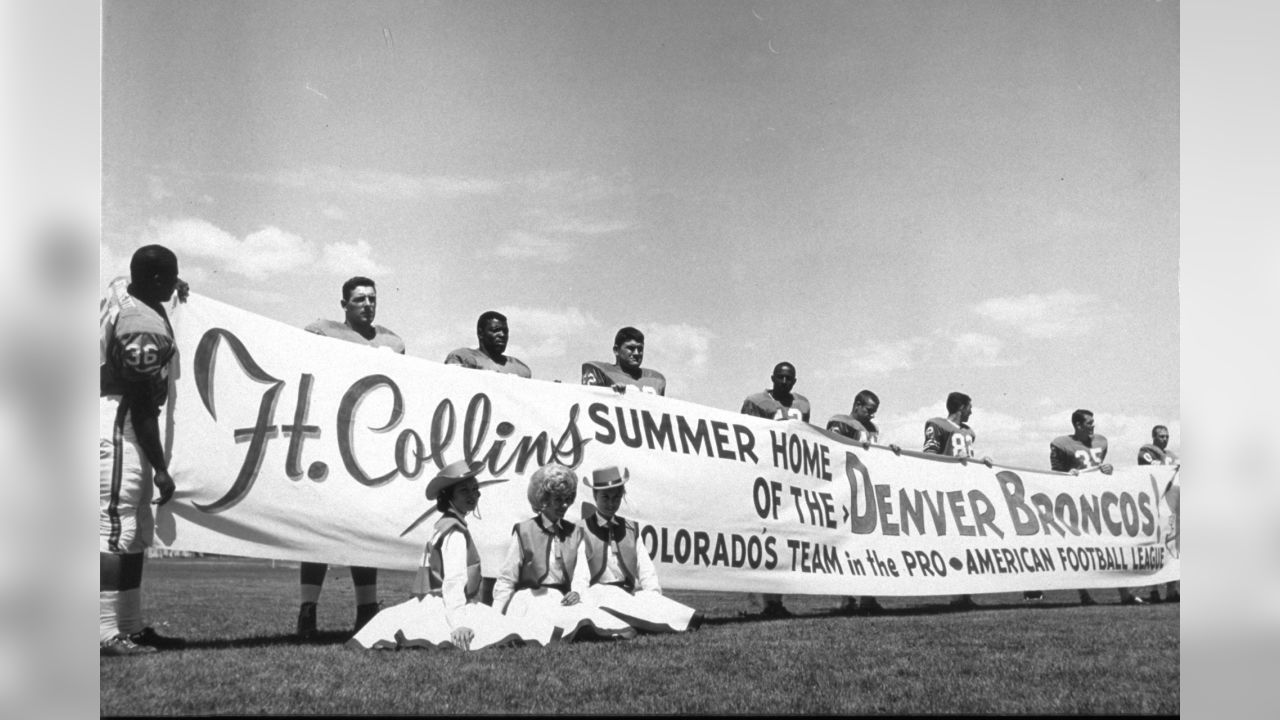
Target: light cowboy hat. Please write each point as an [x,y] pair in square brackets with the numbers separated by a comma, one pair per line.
[450,475]
[606,478]
[454,473]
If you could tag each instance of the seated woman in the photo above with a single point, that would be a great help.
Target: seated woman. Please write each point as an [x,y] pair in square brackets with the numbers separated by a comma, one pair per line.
[535,577]
[445,610]
[621,575]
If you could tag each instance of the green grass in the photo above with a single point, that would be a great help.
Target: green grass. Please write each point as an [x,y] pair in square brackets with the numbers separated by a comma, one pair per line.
[1055,657]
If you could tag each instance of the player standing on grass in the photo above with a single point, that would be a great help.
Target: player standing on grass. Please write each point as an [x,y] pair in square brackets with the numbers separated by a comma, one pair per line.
[952,436]
[492,332]
[360,305]
[135,347]
[1085,451]
[778,403]
[1158,453]
[628,353]
[859,427]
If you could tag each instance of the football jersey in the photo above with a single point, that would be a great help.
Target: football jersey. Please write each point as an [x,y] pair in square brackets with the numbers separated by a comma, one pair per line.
[854,429]
[1152,455]
[1067,453]
[943,437]
[595,372]
[382,337]
[135,344]
[764,405]
[475,359]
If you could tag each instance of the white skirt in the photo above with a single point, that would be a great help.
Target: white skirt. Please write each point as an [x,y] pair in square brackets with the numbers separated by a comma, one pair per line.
[424,624]
[647,611]
[545,603]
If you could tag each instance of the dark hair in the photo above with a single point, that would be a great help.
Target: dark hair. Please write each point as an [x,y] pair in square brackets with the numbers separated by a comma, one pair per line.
[781,365]
[1079,416]
[488,315]
[353,283]
[627,333]
[1158,427]
[442,500]
[865,396]
[149,261]
[957,400]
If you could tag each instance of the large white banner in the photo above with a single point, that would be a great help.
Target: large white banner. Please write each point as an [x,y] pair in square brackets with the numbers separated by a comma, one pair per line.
[293,446]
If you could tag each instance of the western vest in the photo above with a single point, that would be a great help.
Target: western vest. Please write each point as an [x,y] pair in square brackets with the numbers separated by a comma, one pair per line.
[535,552]
[430,577]
[597,538]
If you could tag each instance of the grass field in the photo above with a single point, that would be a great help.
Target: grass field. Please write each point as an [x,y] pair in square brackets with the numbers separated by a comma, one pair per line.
[920,657]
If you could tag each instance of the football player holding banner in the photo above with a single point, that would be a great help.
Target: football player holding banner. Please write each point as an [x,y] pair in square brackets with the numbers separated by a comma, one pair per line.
[136,346]
[625,371]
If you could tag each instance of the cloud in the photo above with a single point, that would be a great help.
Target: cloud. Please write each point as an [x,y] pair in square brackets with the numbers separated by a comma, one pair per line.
[332,180]
[260,254]
[677,351]
[979,350]
[333,212]
[1059,314]
[880,357]
[544,333]
[157,189]
[110,265]
[521,245]
[350,259]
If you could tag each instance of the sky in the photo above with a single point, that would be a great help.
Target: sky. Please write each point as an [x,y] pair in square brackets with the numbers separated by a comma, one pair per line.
[909,197]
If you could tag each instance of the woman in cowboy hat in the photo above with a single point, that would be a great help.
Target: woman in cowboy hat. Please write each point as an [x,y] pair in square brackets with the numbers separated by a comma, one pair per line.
[535,577]
[445,608]
[621,575]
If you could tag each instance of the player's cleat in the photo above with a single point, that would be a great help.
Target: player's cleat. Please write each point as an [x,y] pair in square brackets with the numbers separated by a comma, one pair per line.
[696,621]
[964,602]
[148,637]
[307,621]
[870,606]
[365,613]
[1032,596]
[1154,597]
[1172,597]
[1087,599]
[775,610]
[122,646]
[1132,600]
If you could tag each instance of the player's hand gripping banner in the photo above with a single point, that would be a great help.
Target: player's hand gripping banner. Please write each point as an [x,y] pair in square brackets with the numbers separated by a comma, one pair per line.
[293,446]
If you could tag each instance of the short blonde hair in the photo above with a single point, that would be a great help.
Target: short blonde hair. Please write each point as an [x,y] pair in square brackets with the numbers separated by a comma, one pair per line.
[551,480]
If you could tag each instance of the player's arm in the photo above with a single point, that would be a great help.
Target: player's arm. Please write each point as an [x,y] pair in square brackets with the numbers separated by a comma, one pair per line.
[1061,461]
[750,408]
[145,415]
[591,375]
[456,358]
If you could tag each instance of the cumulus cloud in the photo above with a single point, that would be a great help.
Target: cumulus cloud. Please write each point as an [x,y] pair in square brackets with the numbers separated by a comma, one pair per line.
[1059,314]
[544,332]
[329,179]
[879,357]
[677,351]
[350,259]
[261,253]
[979,350]
[521,245]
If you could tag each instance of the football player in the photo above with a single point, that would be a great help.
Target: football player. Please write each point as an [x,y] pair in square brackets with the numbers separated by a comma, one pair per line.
[492,332]
[952,436]
[359,306]
[136,346]
[1084,450]
[628,353]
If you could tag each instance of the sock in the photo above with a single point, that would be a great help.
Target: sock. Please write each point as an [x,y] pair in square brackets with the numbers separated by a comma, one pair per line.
[366,594]
[108,610]
[129,616]
[310,593]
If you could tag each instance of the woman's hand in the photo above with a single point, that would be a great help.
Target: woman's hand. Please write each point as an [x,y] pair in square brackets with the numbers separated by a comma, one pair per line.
[571,599]
[461,637]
